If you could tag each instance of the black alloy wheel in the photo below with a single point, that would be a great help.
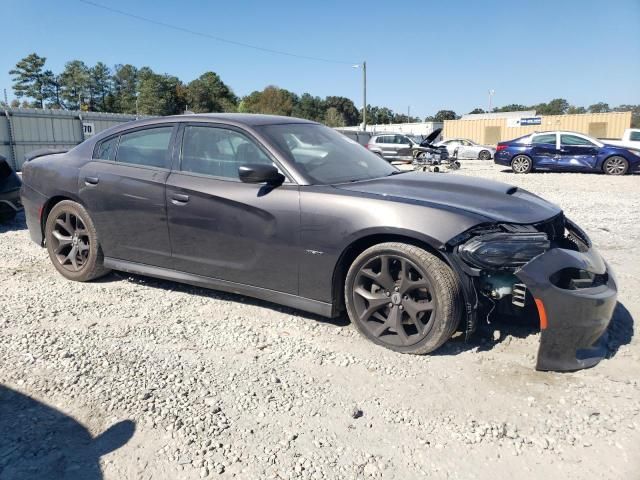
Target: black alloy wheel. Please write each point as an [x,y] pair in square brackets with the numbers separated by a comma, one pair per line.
[403,298]
[72,242]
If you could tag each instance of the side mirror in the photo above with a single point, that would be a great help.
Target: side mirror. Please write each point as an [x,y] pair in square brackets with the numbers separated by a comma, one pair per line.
[260,173]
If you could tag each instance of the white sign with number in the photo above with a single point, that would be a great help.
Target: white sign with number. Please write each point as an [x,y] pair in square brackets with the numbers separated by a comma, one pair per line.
[88,128]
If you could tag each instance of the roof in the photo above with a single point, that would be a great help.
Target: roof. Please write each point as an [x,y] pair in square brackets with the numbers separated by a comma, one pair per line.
[252,119]
[485,116]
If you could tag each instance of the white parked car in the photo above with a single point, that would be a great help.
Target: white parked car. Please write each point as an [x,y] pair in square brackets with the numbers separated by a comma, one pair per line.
[467,148]
[630,139]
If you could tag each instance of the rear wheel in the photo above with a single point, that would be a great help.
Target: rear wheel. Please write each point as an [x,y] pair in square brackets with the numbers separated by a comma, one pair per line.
[521,164]
[615,165]
[72,242]
[403,298]
[484,155]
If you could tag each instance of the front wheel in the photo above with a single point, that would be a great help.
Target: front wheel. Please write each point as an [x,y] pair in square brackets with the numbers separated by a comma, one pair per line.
[521,164]
[615,165]
[403,298]
[72,242]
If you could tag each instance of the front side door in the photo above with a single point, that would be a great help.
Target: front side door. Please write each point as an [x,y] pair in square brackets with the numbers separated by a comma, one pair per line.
[223,228]
[124,190]
[403,146]
[543,150]
[388,146]
[577,152]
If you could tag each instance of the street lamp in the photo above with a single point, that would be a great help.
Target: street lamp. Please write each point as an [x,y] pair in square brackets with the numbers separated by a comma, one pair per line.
[492,92]
[363,65]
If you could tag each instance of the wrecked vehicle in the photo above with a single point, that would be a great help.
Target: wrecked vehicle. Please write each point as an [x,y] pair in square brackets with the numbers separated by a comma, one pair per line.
[9,191]
[222,201]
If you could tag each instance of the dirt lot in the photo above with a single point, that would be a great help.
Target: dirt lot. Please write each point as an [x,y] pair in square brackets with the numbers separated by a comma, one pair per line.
[218,385]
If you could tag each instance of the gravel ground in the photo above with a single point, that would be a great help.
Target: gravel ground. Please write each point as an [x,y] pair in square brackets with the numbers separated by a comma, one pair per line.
[224,386]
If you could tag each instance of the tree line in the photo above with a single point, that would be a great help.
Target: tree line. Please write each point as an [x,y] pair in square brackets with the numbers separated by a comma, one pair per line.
[129,89]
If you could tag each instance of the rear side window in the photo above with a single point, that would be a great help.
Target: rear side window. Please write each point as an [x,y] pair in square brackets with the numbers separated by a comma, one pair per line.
[149,147]
[574,140]
[106,149]
[549,139]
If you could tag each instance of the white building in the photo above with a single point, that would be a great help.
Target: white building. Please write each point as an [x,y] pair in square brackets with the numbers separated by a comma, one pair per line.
[418,128]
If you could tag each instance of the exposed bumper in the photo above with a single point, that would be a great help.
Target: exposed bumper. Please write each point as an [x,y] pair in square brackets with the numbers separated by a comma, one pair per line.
[575,318]
[33,203]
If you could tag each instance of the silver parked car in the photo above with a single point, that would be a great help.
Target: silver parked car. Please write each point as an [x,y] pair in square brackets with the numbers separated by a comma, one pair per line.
[392,146]
[468,148]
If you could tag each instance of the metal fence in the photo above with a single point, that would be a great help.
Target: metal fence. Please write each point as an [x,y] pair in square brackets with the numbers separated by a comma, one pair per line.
[23,130]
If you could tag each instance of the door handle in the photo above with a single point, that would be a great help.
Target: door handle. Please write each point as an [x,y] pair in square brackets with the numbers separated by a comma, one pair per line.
[179,199]
[91,181]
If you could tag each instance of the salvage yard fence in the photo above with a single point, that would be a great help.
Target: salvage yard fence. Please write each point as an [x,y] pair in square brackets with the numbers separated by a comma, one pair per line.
[23,130]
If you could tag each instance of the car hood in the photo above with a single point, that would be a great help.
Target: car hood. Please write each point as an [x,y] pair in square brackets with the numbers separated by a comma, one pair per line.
[495,201]
[430,138]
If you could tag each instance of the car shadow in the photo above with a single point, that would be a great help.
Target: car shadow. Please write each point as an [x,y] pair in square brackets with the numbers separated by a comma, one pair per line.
[500,328]
[18,223]
[340,321]
[40,442]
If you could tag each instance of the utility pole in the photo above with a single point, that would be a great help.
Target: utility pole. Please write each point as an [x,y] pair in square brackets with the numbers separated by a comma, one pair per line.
[6,99]
[492,92]
[409,114]
[363,65]
[364,95]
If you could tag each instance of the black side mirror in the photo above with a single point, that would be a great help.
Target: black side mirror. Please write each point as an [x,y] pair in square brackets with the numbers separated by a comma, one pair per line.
[260,173]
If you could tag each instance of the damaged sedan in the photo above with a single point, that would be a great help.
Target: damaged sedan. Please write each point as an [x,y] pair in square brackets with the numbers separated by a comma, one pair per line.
[234,203]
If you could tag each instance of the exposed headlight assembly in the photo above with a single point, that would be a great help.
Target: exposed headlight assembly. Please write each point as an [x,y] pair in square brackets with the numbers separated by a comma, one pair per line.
[503,250]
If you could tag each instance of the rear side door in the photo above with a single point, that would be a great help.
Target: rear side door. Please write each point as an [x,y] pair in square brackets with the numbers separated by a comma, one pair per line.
[123,187]
[387,146]
[577,152]
[403,146]
[223,228]
[543,150]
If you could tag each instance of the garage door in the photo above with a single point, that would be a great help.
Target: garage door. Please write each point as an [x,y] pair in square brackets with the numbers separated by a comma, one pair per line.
[598,129]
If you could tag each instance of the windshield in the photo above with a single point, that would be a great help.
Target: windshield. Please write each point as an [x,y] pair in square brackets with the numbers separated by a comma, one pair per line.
[325,155]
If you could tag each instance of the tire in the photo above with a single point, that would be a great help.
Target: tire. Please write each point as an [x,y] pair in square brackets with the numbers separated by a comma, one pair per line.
[426,303]
[484,155]
[69,226]
[615,165]
[521,164]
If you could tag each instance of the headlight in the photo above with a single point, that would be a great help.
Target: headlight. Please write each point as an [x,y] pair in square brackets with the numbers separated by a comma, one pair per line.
[503,250]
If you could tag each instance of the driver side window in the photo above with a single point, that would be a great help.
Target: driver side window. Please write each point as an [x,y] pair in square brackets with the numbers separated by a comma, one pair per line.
[218,151]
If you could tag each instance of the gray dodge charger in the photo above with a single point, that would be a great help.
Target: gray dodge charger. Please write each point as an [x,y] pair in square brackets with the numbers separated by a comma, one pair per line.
[292,212]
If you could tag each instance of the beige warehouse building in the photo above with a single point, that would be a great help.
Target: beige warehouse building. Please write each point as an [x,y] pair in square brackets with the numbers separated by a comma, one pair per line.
[491,128]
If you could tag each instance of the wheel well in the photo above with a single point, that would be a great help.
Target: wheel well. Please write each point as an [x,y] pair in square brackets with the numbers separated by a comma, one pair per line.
[356,248]
[46,209]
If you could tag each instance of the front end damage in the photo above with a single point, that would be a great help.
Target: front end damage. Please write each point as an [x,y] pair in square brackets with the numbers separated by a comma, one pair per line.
[550,269]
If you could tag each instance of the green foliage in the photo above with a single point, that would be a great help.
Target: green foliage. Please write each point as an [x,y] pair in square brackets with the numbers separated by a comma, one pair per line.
[513,107]
[74,85]
[600,107]
[334,118]
[129,90]
[443,115]
[477,110]
[574,110]
[208,93]
[125,87]
[557,106]
[29,79]
[158,94]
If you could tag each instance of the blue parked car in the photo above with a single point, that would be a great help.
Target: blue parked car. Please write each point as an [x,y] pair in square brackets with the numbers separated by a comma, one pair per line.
[566,151]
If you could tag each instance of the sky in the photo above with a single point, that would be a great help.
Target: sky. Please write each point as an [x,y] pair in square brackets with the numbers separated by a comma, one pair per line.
[423,55]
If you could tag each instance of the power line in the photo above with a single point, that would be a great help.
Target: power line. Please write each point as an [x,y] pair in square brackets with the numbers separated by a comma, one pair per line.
[212,37]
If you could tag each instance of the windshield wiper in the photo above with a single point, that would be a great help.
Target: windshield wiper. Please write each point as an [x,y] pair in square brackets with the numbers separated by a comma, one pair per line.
[397,172]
